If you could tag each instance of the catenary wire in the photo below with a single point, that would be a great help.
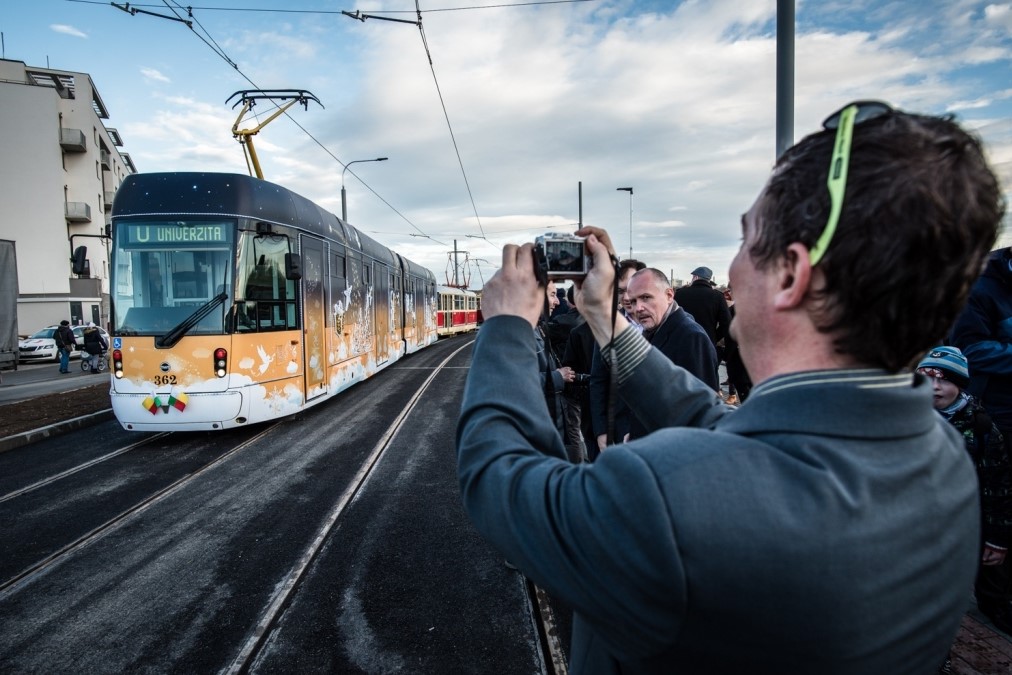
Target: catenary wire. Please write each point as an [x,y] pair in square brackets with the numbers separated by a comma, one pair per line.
[216,49]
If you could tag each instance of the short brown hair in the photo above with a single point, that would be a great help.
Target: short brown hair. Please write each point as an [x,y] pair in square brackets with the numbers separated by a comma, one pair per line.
[922,208]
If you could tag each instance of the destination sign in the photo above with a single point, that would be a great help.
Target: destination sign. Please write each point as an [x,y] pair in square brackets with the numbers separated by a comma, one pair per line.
[172,233]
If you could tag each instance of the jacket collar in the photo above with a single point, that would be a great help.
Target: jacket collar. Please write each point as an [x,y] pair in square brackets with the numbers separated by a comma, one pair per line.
[846,403]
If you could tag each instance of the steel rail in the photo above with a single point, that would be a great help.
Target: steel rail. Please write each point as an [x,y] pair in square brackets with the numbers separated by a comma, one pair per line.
[31,572]
[285,589]
[79,467]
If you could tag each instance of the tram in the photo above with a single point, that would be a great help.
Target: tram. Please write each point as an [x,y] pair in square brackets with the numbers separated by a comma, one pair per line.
[457,311]
[235,301]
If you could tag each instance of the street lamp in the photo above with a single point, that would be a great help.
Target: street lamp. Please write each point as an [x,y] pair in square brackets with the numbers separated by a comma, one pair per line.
[344,201]
[630,191]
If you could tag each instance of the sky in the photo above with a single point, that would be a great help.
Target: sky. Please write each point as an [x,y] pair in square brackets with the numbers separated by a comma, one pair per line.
[505,119]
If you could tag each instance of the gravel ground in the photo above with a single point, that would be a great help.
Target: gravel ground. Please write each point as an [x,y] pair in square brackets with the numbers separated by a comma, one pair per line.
[16,418]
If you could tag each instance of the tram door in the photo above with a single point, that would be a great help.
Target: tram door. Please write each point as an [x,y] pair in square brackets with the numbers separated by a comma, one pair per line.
[314,324]
[382,304]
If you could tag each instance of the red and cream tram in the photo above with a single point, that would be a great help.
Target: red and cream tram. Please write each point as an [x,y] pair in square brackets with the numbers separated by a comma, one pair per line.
[457,310]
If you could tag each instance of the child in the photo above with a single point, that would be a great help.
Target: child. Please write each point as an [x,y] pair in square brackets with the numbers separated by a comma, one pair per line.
[949,374]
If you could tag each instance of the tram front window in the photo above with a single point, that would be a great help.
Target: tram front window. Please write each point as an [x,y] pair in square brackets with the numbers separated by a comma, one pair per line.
[164,270]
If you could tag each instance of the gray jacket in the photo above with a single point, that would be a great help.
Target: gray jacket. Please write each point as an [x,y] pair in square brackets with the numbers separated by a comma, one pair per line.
[829,525]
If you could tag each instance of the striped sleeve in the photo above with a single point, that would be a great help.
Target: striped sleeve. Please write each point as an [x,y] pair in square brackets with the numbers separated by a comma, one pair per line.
[626,351]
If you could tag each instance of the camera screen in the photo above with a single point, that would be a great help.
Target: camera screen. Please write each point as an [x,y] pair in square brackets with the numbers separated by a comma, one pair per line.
[564,256]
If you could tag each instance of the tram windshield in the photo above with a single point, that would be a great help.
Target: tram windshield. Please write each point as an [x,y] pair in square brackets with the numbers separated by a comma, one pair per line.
[163,271]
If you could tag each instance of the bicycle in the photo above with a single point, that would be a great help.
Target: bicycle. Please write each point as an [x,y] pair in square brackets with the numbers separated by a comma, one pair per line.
[103,362]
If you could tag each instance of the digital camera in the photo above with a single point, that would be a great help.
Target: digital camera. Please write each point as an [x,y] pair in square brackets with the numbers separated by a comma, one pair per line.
[560,256]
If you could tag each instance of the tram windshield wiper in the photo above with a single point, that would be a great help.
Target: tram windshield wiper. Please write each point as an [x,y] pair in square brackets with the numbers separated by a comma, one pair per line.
[177,333]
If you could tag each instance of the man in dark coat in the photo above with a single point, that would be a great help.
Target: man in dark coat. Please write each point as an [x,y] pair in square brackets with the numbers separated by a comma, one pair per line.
[705,304]
[65,343]
[983,332]
[667,327]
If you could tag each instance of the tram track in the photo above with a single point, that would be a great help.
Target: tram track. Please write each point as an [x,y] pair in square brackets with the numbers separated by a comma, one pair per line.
[81,467]
[247,654]
[343,519]
[25,576]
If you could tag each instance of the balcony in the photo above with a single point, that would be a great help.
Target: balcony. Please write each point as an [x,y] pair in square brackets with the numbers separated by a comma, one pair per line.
[107,200]
[78,212]
[73,140]
[105,160]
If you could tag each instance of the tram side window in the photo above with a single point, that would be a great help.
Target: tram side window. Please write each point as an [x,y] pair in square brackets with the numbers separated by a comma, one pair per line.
[338,285]
[266,299]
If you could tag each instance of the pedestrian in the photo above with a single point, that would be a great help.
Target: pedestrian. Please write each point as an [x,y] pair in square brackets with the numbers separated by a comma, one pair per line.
[95,345]
[608,415]
[705,304]
[65,343]
[559,329]
[830,524]
[983,334]
[671,330]
[554,375]
[738,382]
[948,371]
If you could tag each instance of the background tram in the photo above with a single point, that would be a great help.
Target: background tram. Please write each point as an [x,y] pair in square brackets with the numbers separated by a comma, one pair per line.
[236,301]
[457,311]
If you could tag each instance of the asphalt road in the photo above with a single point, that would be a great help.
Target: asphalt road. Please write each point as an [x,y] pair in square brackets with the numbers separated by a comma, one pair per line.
[400,583]
[31,380]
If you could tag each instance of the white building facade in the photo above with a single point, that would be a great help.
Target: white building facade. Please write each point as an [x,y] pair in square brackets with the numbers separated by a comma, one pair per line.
[60,167]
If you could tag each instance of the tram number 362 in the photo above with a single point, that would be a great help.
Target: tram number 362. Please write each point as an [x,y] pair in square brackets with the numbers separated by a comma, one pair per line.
[164,379]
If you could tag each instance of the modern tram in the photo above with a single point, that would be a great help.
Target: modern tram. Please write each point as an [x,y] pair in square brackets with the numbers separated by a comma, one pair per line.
[457,311]
[235,301]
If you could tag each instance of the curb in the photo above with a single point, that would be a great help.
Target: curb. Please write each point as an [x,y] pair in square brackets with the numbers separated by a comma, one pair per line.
[52,430]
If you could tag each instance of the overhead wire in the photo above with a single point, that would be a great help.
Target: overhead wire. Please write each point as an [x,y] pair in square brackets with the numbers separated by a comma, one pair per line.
[336,11]
[446,116]
[228,60]
[217,49]
[221,53]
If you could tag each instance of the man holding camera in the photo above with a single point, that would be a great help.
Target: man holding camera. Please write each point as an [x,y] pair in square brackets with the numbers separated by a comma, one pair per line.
[827,525]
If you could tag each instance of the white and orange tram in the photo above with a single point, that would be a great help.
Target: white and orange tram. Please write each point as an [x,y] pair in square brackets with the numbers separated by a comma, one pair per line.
[457,310]
[236,301]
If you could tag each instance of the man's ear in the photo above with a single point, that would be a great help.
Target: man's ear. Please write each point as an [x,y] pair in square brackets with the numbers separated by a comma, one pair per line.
[794,277]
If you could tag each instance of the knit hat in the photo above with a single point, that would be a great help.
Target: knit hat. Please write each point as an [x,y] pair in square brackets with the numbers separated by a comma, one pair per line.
[947,363]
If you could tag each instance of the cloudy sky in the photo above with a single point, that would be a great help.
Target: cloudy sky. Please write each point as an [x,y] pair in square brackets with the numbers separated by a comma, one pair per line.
[523,102]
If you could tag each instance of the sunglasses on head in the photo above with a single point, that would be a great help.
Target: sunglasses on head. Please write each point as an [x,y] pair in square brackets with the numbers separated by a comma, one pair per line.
[843,121]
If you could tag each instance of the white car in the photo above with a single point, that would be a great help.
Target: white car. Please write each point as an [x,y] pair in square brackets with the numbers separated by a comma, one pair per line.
[40,346]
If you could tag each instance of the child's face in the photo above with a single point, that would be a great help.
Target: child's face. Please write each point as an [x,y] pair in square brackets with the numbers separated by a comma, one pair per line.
[945,392]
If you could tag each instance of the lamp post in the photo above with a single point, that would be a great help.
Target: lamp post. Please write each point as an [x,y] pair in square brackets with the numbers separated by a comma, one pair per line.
[344,201]
[630,191]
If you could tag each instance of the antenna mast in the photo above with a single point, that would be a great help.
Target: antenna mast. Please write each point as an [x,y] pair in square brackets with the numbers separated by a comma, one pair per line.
[461,270]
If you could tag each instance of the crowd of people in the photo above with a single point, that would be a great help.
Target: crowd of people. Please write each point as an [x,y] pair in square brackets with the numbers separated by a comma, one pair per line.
[674,321]
[830,522]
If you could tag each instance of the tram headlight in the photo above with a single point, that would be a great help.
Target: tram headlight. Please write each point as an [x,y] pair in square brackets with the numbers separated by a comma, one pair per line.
[117,363]
[220,360]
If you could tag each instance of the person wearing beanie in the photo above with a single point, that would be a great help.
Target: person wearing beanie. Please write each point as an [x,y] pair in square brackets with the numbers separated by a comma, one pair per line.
[65,343]
[948,371]
[947,363]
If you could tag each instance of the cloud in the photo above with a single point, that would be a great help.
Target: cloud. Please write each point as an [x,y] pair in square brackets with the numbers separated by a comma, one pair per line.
[1000,16]
[153,75]
[67,30]
[544,101]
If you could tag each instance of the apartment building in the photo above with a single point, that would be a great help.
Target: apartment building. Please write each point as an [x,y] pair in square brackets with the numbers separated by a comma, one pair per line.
[60,167]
